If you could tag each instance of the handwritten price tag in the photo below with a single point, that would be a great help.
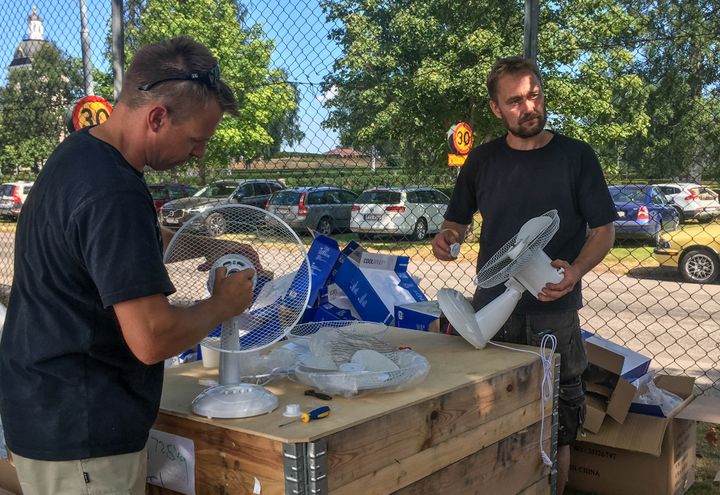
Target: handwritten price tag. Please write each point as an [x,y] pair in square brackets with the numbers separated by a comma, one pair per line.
[171,462]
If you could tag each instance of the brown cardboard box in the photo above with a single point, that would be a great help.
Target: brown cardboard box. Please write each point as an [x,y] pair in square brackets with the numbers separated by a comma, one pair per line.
[611,471]
[602,400]
[9,483]
[646,455]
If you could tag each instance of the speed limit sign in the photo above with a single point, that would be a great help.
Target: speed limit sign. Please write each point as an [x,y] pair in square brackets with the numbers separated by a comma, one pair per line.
[89,111]
[460,138]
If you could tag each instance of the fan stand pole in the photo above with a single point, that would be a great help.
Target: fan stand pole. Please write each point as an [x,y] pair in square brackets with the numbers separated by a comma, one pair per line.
[230,361]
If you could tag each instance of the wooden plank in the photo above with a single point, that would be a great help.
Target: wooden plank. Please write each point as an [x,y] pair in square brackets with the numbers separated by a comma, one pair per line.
[541,487]
[511,465]
[427,463]
[228,461]
[492,410]
[454,365]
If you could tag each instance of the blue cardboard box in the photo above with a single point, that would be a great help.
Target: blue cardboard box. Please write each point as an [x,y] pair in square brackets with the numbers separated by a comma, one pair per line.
[423,315]
[376,283]
[323,256]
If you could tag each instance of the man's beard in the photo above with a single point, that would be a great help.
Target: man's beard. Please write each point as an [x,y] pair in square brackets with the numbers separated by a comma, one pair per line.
[527,132]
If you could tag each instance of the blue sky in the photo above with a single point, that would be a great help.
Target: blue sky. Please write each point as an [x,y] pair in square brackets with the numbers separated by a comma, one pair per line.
[298,28]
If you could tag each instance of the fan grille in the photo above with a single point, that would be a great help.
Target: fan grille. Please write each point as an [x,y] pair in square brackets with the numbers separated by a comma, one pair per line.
[500,266]
[282,286]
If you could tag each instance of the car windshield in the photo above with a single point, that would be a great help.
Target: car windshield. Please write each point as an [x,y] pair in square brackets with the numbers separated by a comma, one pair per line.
[628,195]
[217,190]
[378,197]
[285,198]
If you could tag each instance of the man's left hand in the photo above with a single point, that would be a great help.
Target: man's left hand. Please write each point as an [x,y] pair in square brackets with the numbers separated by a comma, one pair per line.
[552,292]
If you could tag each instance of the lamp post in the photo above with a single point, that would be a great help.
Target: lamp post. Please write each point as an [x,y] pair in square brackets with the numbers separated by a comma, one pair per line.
[532,12]
[85,43]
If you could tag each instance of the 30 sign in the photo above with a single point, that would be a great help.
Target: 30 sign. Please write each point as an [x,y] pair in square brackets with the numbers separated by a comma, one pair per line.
[89,111]
[460,138]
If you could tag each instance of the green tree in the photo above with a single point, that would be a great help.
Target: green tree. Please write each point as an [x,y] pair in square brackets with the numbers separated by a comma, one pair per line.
[412,68]
[244,53]
[33,103]
[680,62]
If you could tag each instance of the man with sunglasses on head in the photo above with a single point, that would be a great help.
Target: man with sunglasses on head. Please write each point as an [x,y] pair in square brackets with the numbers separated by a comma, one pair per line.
[89,325]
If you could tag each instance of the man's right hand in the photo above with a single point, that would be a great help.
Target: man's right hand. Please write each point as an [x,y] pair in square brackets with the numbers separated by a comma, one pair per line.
[441,244]
[234,293]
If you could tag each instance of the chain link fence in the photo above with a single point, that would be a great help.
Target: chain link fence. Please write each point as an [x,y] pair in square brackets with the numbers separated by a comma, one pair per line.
[359,95]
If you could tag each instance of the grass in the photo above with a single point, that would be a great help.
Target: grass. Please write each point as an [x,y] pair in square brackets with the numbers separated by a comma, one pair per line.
[707,466]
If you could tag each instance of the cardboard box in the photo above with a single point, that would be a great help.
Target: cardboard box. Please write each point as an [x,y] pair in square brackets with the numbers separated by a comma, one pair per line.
[633,365]
[646,455]
[611,471]
[423,315]
[323,255]
[376,283]
[613,394]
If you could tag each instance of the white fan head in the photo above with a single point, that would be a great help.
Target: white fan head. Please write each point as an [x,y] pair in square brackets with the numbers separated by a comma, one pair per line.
[237,237]
[532,237]
[253,238]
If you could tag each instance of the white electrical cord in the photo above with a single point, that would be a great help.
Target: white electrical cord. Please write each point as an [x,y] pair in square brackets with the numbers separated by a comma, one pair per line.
[546,387]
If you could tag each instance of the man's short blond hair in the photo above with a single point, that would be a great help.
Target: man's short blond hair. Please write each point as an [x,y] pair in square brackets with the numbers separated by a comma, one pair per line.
[160,72]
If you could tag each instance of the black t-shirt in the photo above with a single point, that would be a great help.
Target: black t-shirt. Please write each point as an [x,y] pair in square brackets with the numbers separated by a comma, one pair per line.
[87,238]
[508,187]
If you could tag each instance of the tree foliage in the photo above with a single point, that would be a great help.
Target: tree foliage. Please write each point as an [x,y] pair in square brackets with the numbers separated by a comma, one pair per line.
[636,79]
[33,103]
[244,54]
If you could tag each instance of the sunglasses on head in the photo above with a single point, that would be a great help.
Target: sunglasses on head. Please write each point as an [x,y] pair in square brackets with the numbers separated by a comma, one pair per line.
[207,78]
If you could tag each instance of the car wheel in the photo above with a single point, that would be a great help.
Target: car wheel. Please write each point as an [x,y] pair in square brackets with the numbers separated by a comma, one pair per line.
[699,266]
[420,231]
[216,224]
[325,226]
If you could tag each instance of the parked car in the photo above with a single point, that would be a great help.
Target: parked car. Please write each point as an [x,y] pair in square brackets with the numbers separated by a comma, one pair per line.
[413,211]
[12,198]
[692,201]
[253,192]
[644,212]
[163,193]
[325,209]
[694,251]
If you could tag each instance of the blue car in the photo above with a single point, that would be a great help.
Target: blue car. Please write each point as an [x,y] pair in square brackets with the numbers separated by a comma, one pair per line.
[644,212]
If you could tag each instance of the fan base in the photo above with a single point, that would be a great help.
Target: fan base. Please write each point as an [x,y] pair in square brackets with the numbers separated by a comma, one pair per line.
[234,401]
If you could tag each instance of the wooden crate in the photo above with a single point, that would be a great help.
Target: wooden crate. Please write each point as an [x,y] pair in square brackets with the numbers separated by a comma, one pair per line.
[474,422]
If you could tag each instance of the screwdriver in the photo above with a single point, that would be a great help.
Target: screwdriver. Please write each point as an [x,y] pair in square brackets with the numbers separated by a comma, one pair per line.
[318,413]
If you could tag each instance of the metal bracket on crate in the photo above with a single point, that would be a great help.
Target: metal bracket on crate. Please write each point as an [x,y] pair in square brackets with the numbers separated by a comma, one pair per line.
[305,466]
[555,427]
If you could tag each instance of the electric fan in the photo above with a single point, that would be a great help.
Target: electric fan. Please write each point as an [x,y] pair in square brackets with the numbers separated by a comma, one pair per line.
[522,263]
[255,239]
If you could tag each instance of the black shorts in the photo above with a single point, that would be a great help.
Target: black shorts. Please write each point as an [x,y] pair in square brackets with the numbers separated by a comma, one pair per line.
[565,326]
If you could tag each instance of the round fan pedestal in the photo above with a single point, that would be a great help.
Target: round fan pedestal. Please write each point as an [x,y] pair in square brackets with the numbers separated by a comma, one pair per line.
[234,401]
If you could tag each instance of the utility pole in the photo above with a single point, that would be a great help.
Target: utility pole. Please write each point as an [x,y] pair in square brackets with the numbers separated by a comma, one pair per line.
[532,12]
[85,43]
[118,46]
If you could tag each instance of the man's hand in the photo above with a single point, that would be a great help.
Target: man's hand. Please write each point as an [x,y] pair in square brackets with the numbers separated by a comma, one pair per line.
[451,233]
[571,276]
[234,293]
